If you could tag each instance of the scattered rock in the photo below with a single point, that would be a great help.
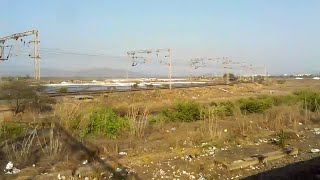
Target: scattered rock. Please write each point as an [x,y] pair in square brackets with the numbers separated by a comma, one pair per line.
[57,175]
[84,171]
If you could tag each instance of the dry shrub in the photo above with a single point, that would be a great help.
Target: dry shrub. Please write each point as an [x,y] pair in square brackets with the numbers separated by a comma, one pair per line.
[23,151]
[210,124]
[138,121]
[278,118]
[72,115]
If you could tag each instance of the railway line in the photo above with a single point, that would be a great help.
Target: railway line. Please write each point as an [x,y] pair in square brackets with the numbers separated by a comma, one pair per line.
[98,92]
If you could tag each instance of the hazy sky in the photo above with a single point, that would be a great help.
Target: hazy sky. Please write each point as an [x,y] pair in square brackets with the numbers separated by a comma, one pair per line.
[283,34]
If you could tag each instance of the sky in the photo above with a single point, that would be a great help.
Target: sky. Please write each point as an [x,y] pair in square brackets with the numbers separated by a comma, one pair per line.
[283,35]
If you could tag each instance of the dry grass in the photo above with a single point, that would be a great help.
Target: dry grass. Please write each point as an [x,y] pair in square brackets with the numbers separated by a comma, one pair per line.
[138,121]
[21,151]
[210,124]
[281,117]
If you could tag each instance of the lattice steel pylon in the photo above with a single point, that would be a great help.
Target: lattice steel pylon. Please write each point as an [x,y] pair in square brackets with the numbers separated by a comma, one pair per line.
[141,59]
[35,42]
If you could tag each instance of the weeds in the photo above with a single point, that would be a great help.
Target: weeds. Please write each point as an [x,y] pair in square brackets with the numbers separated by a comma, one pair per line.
[210,123]
[283,138]
[138,121]
[11,130]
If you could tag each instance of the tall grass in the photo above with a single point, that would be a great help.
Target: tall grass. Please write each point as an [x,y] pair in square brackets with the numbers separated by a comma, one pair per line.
[138,121]
[210,123]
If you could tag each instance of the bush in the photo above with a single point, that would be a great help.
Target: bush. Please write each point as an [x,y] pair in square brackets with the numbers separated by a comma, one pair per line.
[223,108]
[104,121]
[62,89]
[11,130]
[255,105]
[183,111]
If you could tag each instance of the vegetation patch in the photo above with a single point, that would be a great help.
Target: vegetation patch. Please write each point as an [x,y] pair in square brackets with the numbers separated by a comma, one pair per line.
[254,105]
[62,89]
[187,111]
[310,99]
[104,121]
[223,108]
[11,130]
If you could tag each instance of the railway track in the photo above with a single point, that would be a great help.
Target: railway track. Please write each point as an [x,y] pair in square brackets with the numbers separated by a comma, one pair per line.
[97,92]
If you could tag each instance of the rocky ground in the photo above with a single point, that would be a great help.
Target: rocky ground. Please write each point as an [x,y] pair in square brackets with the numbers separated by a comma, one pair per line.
[153,159]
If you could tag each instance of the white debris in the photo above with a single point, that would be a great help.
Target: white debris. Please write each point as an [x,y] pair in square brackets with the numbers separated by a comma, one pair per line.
[61,177]
[300,124]
[204,144]
[316,131]
[315,150]
[225,130]
[85,162]
[123,153]
[9,166]
[10,169]
[118,170]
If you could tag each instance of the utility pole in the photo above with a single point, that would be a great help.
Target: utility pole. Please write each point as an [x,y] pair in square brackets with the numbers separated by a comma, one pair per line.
[147,57]
[265,73]
[36,57]
[170,68]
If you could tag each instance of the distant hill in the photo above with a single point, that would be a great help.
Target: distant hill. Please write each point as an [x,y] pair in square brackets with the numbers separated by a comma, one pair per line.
[95,72]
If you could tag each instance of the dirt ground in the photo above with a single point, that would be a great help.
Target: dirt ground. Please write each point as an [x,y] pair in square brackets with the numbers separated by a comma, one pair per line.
[174,150]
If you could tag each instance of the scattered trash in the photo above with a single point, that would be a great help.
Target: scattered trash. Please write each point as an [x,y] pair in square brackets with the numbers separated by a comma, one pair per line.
[85,162]
[173,129]
[187,158]
[9,166]
[225,130]
[315,150]
[300,124]
[61,177]
[274,140]
[118,170]
[123,153]
[10,169]
[316,131]
[204,144]
[33,165]
[185,143]
[210,151]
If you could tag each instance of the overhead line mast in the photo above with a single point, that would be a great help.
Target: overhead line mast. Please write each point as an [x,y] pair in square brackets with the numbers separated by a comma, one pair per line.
[132,54]
[35,41]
